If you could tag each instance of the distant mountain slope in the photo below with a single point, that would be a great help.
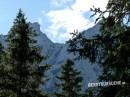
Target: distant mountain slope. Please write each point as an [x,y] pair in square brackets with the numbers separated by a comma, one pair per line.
[57,54]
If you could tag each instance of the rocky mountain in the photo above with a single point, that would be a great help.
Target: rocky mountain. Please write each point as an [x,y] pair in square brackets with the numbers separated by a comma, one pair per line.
[57,54]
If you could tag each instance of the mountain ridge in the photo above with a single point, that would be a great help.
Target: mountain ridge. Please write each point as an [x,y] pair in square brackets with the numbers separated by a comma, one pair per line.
[57,54]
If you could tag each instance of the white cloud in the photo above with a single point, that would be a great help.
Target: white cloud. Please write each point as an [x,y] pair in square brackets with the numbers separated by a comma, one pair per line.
[67,19]
[85,5]
[70,18]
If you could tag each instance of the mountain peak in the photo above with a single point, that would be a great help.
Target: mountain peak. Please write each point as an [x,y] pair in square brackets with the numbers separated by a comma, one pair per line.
[35,26]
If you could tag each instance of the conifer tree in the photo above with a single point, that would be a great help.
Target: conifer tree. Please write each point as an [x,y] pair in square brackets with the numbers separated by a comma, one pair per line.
[1,68]
[23,57]
[5,81]
[90,92]
[2,73]
[110,48]
[69,81]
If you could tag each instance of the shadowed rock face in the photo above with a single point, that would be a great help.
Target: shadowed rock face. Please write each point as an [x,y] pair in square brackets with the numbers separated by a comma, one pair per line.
[57,54]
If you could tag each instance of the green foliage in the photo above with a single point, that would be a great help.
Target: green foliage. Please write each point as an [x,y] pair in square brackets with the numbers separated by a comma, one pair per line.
[69,81]
[90,92]
[110,48]
[23,74]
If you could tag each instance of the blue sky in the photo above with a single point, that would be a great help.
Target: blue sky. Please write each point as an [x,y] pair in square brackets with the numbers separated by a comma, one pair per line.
[57,17]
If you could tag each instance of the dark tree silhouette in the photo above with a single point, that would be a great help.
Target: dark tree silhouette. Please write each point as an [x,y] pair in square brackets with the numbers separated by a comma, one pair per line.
[110,48]
[69,81]
[23,58]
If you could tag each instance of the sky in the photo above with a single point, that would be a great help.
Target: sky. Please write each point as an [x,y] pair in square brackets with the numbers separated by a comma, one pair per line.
[57,18]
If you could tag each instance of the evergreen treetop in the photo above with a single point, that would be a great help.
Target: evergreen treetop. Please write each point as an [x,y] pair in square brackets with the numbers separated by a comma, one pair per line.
[23,56]
[69,81]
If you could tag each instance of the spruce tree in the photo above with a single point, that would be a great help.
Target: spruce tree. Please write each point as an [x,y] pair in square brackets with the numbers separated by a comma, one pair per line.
[69,81]
[1,68]
[5,81]
[90,92]
[23,58]
[110,48]
[2,73]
